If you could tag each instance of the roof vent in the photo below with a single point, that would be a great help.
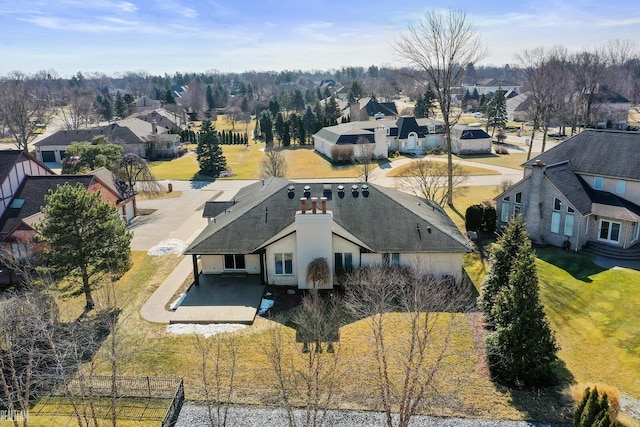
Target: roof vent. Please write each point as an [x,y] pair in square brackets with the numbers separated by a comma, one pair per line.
[341,191]
[307,191]
[365,190]
[291,191]
[354,190]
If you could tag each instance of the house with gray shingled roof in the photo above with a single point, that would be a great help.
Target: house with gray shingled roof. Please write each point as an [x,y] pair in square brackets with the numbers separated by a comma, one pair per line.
[583,193]
[143,138]
[275,228]
[406,135]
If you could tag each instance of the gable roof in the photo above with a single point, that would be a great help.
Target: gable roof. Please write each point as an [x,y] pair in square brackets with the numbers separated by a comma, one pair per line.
[597,152]
[8,158]
[33,191]
[383,221]
[571,186]
[348,133]
[406,125]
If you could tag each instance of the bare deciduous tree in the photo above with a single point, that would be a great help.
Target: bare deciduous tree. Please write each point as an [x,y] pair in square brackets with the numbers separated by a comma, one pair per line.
[306,366]
[23,108]
[546,81]
[274,163]
[80,110]
[216,376]
[423,309]
[234,114]
[588,70]
[440,47]
[366,157]
[428,179]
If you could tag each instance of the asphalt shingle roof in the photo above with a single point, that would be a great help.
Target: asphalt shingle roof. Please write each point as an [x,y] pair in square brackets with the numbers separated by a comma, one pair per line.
[384,220]
[598,152]
[33,191]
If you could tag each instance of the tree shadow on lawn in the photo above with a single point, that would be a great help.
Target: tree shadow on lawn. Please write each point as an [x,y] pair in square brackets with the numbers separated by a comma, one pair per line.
[580,266]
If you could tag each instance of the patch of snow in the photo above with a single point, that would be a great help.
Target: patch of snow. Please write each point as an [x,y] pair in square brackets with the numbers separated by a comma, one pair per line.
[205,330]
[168,246]
[177,302]
[265,305]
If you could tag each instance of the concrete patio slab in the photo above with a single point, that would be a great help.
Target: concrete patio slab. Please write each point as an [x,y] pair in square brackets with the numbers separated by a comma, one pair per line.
[221,299]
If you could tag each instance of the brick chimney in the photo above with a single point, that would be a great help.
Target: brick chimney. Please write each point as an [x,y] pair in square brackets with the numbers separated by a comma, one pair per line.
[314,205]
[323,201]
[303,205]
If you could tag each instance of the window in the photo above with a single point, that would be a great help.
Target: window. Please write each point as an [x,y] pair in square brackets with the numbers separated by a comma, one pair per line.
[517,207]
[20,251]
[568,225]
[234,262]
[570,209]
[432,128]
[621,186]
[634,231]
[598,182]
[504,212]
[557,204]
[391,259]
[609,231]
[343,262]
[284,264]
[555,222]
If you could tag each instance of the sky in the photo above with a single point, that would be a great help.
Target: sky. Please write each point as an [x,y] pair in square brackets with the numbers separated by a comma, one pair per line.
[165,36]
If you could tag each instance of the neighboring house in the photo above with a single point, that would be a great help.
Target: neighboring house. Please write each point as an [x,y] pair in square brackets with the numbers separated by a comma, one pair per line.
[488,86]
[611,110]
[405,135]
[370,108]
[470,139]
[144,103]
[145,139]
[22,210]
[15,166]
[518,107]
[164,118]
[583,192]
[275,228]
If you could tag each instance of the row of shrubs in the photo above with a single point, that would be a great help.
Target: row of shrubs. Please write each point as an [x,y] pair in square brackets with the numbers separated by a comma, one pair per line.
[480,218]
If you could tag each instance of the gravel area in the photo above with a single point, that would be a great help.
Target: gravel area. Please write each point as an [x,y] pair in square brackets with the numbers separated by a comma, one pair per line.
[193,415]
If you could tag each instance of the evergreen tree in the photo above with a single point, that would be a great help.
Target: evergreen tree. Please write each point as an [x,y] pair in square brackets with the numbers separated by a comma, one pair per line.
[593,410]
[120,106]
[244,106]
[298,101]
[332,110]
[84,237]
[169,98]
[274,108]
[211,102]
[309,122]
[497,112]
[500,265]
[301,133]
[286,134]
[279,126]
[209,152]
[522,349]
[267,129]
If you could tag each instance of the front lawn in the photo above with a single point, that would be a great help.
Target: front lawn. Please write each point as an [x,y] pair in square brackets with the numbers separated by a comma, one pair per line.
[596,315]
[466,170]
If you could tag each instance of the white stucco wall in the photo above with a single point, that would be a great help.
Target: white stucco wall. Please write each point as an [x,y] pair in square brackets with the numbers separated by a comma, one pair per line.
[214,264]
[286,245]
[313,240]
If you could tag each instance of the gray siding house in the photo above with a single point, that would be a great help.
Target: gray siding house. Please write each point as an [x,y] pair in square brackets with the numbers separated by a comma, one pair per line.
[584,192]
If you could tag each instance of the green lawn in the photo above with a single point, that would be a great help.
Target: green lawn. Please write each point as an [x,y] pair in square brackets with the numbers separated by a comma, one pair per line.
[596,315]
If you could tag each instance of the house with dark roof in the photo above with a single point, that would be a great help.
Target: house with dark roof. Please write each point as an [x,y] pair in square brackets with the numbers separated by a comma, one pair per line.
[369,108]
[143,138]
[585,192]
[19,220]
[405,135]
[15,166]
[275,228]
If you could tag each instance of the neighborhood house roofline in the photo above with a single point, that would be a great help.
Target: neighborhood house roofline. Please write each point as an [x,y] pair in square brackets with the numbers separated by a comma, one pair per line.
[268,210]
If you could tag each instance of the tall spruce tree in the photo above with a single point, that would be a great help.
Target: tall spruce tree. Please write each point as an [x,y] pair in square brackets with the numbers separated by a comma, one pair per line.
[84,237]
[500,265]
[209,152]
[497,111]
[522,349]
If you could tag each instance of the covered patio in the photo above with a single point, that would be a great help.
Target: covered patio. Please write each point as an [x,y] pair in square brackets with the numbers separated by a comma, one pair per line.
[221,299]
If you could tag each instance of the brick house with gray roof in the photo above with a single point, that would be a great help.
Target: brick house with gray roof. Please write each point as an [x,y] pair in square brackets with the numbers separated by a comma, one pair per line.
[275,228]
[585,192]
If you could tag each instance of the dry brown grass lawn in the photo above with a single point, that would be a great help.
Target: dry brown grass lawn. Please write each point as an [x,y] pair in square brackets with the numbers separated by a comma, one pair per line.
[467,170]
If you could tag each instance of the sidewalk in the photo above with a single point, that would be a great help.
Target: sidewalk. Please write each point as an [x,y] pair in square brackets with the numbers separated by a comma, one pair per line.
[154,309]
